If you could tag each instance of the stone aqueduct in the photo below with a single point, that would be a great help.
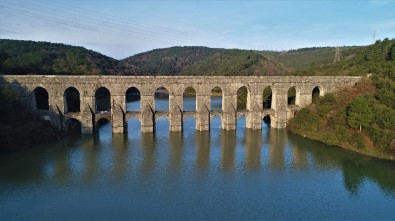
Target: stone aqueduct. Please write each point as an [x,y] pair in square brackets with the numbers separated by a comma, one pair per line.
[56,111]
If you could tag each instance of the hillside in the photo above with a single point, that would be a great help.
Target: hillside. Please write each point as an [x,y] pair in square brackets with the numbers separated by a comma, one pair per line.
[27,57]
[361,118]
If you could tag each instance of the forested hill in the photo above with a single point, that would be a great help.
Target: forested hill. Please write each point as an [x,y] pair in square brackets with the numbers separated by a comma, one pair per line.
[201,61]
[30,57]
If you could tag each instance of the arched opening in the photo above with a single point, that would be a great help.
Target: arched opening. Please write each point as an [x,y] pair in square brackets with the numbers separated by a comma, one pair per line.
[162,127]
[216,99]
[267,98]
[266,121]
[73,126]
[103,126]
[161,99]
[71,100]
[242,97]
[215,123]
[134,127]
[189,99]
[292,96]
[241,125]
[189,125]
[41,99]
[315,94]
[102,100]
[133,97]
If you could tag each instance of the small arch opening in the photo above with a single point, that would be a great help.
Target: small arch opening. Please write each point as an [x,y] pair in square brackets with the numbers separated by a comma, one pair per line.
[242,96]
[267,120]
[267,98]
[292,96]
[134,127]
[73,126]
[41,98]
[103,100]
[133,98]
[189,99]
[216,99]
[72,100]
[161,99]
[315,94]
[162,125]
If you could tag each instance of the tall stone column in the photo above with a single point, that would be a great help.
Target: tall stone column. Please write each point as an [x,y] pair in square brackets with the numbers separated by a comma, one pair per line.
[306,97]
[175,112]
[87,108]
[56,107]
[147,113]
[254,116]
[202,112]
[279,104]
[118,114]
[229,108]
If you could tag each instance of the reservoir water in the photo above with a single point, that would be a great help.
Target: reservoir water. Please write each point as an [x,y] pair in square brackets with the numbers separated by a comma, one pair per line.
[242,174]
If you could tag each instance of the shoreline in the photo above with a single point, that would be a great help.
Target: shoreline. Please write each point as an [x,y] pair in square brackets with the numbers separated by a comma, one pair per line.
[364,152]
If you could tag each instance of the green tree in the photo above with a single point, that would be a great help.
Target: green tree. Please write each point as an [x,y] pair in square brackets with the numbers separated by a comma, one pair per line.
[360,113]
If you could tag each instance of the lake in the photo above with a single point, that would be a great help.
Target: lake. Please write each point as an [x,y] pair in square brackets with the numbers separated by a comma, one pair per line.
[242,174]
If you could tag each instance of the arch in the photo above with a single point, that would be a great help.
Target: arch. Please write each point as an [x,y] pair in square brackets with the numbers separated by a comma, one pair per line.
[292,96]
[133,97]
[72,101]
[40,98]
[162,124]
[267,119]
[189,124]
[189,99]
[73,126]
[242,98]
[102,100]
[134,127]
[216,99]
[216,122]
[315,94]
[162,99]
[267,98]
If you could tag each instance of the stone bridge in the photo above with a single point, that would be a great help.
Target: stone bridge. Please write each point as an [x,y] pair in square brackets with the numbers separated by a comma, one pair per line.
[47,95]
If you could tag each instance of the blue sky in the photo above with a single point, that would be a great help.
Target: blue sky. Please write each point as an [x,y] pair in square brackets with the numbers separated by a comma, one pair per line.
[123,28]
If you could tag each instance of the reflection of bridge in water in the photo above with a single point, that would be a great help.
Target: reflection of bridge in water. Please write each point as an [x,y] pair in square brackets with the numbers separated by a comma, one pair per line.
[119,158]
[88,99]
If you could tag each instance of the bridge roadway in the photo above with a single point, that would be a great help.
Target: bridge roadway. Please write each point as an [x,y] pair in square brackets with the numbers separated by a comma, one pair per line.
[52,89]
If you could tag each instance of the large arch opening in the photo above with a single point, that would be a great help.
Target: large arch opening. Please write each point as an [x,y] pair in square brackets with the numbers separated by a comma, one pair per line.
[189,99]
[215,123]
[102,100]
[315,94]
[292,96]
[161,99]
[71,100]
[133,98]
[73,126]
[41,99]
[267,98]
[242,97]
[216,99]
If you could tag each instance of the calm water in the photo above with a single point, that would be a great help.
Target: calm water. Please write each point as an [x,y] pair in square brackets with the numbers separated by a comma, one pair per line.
[244,174]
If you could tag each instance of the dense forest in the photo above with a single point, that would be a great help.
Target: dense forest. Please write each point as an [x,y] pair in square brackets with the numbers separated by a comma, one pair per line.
[29,57]
[361,118]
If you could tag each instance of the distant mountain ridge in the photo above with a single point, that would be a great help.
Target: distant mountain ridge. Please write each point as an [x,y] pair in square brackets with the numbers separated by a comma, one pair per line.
[30,57]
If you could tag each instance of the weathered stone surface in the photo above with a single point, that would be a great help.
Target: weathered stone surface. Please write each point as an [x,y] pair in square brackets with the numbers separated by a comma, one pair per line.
[118,85]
